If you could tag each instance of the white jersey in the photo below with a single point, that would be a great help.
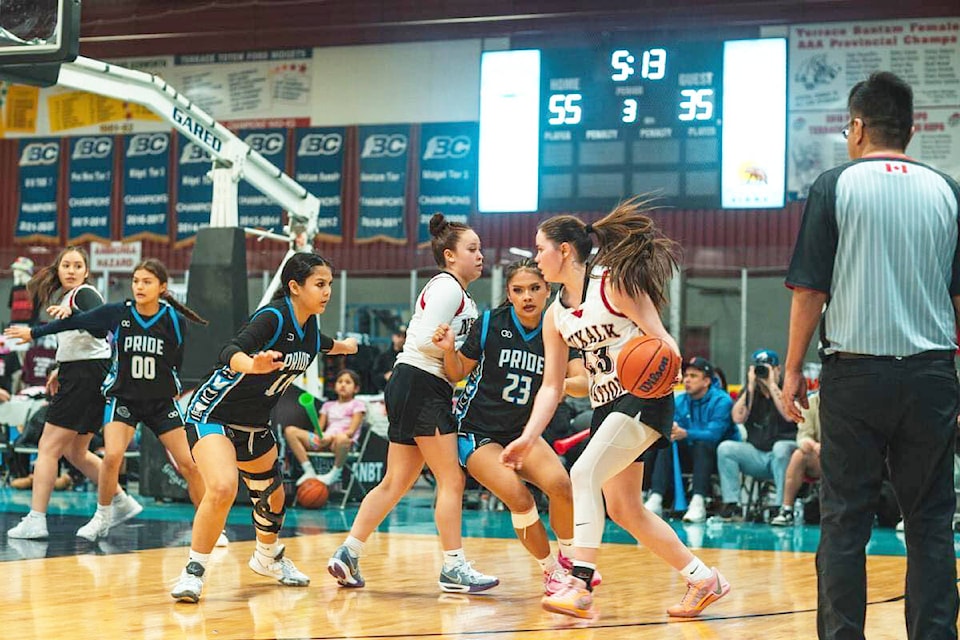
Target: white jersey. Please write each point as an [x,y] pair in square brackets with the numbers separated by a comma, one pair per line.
[78,344]
[441,300]
[598,329]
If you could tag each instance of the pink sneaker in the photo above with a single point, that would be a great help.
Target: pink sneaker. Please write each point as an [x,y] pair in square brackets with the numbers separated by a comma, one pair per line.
[572,600]
[700,595]
[554,581]
[567,564]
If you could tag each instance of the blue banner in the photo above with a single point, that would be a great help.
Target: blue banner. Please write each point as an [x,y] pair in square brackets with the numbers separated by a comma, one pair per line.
[194,189]
[448,173]
[91,188]
[254,208]
[383,182]
[146,199]
[39,169]
[319,168]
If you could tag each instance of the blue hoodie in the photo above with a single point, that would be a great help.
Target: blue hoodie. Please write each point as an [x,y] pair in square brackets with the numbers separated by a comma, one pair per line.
[707,419]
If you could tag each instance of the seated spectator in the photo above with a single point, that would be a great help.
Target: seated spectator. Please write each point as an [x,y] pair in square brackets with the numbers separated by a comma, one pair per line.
[804,463]
[337,429]
[771,437]
[702,420]
[383,365]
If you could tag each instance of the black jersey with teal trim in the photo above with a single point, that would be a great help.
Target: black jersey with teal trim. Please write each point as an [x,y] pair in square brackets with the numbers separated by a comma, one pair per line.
[148,353]
[499,392]
[147,350]
[231,397]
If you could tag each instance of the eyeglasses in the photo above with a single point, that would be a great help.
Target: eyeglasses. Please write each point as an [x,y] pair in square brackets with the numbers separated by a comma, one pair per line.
[845,132]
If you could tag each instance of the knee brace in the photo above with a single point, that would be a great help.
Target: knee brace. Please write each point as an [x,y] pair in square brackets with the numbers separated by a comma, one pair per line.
[261,486]
[526,519]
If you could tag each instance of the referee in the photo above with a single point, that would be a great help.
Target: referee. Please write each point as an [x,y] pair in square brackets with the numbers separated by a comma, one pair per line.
[878,247]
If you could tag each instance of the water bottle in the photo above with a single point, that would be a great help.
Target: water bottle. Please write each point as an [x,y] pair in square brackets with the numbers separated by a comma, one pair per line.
[798,511]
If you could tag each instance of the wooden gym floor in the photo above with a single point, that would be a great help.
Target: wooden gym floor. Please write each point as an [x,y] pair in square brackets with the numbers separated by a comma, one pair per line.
[63,587]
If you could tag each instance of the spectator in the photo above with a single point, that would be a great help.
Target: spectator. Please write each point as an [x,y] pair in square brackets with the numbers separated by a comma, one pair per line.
[771,437]
[383,365]
[804,463]
[702,420]
[23,305]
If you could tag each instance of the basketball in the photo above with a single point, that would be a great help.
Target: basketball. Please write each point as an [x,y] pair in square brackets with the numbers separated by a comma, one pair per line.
[312,494]
[647,367]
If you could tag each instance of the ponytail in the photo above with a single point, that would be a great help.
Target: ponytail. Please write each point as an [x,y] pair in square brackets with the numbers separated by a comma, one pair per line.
[640,258]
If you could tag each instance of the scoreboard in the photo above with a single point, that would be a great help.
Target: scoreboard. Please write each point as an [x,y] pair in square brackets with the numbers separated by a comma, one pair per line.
[634,119]
[588,127]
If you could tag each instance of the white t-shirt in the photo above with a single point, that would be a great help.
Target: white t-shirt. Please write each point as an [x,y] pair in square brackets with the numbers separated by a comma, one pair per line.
[600,330]
[441,300]
[78,344]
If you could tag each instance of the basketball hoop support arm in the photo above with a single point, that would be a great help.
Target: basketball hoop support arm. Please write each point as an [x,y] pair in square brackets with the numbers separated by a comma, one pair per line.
[230,153]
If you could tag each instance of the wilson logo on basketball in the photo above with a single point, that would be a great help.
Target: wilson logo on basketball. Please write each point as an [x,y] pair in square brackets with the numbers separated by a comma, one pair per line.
[651,382]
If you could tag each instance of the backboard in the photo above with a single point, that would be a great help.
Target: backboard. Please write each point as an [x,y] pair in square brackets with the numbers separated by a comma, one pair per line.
[36,36]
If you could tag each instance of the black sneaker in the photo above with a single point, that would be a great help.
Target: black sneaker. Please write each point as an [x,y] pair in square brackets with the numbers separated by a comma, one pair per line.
[783,519]
[730,512]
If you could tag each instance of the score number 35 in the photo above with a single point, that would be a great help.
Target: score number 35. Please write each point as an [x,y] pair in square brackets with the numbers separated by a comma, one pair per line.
[696,105]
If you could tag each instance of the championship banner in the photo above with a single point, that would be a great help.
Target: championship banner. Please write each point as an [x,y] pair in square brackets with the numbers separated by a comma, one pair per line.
[90,185]
[826,60]
[194,189]
[39,169]
[254,208]
[146,200]
[383,181]
[319,168]
[448,173]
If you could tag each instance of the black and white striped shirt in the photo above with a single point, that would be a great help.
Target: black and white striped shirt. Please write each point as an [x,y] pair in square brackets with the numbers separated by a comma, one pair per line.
[879,235]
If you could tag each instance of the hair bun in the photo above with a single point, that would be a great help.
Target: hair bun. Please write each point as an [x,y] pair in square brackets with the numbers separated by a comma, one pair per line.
[437,224]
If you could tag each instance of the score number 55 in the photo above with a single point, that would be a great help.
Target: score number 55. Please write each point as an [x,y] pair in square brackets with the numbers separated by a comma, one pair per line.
[565,108]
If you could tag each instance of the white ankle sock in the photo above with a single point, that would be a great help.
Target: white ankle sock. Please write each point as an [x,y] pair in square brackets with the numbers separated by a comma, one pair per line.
[268,550]
[354,546]
[200,558]
[548,564]
[696,571]
[453,557]
[566,547]
[37,514]
[307,467]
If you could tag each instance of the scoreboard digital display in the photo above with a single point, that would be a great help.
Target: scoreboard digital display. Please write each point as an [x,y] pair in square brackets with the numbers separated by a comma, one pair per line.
[697,125]
[631,119]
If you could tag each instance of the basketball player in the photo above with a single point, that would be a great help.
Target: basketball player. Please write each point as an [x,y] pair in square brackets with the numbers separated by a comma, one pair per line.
[228,419]
[602,304]
[419,399]
[503,355]
[75,412]
[143,382]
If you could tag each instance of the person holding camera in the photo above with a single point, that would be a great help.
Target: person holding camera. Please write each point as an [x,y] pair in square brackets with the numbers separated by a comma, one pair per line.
[771,436]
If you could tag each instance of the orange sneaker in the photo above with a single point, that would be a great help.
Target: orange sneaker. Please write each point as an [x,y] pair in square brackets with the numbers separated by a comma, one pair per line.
[572,600]
[699,595]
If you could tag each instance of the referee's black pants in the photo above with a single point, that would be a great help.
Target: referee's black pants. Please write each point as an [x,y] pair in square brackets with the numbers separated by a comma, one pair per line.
[903,412]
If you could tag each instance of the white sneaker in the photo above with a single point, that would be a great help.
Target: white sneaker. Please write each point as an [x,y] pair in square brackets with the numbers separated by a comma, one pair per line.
[697,512]
[306,476]
[654,503]
[189,584]
[331,477]
[223,540]
[282,569]
[97,527]
[124,508]
[29,529]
